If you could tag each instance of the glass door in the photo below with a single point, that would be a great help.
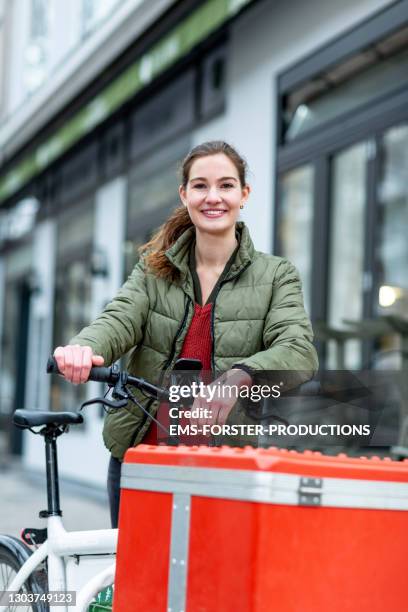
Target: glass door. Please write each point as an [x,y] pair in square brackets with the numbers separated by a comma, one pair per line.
[295,223]
[391,253]
[347,239]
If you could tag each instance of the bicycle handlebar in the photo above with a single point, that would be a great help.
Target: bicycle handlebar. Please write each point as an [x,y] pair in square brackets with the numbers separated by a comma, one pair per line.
[113,375]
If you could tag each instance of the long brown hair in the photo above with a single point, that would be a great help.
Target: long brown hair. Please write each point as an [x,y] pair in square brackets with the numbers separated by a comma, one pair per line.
[179,220]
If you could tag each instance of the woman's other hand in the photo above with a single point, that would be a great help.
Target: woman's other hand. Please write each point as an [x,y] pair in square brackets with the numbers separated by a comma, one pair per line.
[75,362]
[219,401]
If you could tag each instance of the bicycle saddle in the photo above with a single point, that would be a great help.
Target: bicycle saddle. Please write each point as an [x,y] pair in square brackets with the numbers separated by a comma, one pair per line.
[32,418]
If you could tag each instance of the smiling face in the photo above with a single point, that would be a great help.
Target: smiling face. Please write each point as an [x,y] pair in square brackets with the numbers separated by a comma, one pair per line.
[213,194]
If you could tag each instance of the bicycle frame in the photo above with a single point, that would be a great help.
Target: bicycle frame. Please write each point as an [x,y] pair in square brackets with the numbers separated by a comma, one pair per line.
[66,551]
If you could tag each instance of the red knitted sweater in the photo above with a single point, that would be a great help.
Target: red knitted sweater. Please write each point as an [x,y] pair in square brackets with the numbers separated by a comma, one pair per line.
[197,345]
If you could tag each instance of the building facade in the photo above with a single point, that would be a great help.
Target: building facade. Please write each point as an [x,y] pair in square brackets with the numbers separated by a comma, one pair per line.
[99,103]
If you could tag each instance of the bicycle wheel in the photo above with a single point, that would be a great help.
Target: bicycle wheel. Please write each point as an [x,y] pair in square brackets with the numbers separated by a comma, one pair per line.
[13,554]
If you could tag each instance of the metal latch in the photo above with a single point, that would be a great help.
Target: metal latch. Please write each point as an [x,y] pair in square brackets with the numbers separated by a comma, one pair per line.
[310,491]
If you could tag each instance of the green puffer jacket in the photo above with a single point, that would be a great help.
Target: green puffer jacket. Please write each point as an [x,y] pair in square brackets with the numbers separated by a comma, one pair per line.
[258,321]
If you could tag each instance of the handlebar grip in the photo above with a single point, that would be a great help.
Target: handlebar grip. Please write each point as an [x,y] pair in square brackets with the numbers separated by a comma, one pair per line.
[100,374]
[52,367]
[97,374]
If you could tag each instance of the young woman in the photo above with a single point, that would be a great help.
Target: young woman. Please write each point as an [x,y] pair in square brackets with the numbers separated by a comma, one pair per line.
[200,290]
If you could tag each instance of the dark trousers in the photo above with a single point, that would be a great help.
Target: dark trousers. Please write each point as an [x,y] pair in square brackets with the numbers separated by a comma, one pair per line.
[114,489]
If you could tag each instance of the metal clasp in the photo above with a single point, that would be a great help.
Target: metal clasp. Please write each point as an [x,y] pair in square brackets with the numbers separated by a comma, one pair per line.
[310,491]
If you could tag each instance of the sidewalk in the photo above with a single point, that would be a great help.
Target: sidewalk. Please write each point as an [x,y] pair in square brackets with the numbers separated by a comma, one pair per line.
[23,495]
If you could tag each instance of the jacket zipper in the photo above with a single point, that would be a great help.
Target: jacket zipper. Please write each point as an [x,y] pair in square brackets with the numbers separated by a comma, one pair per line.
[227,280]
[168,362]
[176,337]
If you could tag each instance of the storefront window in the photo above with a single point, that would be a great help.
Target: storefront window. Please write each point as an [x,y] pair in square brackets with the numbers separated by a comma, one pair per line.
[153,193]
[158,190]
[17,269]
[347,237]
[8,348]
[72,295]
[19,221]
[392,243]
[295,223]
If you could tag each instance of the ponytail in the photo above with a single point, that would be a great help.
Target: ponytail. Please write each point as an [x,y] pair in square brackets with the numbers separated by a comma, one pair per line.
[154,251]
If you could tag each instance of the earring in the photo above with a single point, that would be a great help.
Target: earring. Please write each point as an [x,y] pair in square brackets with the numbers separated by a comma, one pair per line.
[241,206]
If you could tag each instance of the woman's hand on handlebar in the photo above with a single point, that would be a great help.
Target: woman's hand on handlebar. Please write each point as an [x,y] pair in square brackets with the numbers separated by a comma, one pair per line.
[75,362]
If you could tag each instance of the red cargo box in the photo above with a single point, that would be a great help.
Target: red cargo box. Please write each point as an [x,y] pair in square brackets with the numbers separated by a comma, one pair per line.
[252,530]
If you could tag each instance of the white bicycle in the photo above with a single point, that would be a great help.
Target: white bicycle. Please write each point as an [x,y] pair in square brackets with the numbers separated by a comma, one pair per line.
[52,568]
